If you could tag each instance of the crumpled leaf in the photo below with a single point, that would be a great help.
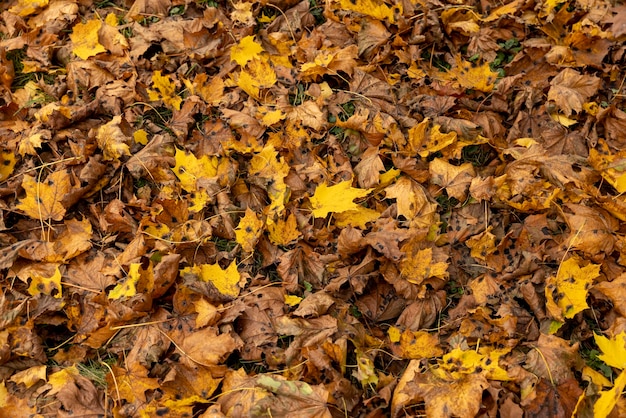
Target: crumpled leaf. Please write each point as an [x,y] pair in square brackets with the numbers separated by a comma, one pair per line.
[112,139]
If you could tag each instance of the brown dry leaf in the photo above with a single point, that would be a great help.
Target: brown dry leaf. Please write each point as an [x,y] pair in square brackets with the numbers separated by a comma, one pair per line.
[570,90]
[443,398]
[454,179]
[291,397]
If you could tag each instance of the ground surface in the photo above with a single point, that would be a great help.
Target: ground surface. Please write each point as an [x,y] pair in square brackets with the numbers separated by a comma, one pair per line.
[326,208]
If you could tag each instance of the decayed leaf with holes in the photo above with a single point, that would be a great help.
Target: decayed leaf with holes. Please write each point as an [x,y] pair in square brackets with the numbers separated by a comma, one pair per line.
[165,90]
[249,230]
[128,288]
[566,293]
[7,163]
[40,285]
[484,362]
[365,369]
[227,281]
[43,199]
[337,198]
[84,36]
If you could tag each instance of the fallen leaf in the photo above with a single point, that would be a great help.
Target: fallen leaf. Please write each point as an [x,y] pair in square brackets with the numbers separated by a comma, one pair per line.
[337,198]
[43,198]
[84,36]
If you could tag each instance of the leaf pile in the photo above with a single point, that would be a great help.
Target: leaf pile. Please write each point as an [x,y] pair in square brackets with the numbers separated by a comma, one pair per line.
[329,207]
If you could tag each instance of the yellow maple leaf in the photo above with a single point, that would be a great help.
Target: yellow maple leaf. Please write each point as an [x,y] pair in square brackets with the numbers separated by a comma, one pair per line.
[225,281]
[482,245]
[613,350]
[374,8]
[207,313]
[25,8]
[189,169]
[273,169]
[338,198]
[40,285]
[420,266]
[112,140]
[608,398]
[7,163]
[246,50]
[357,218]
[566,293]
[249,230]
[165,90]
[84,36]
[30,376]
[129,287]
[292,300]
[474,75]
[256,75]
[283,232]
[140,137]
[485,362]
[416,344]
[43,199]
[611,165]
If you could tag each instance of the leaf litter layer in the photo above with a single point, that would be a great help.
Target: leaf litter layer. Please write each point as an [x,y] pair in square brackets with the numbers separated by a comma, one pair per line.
[328,208]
